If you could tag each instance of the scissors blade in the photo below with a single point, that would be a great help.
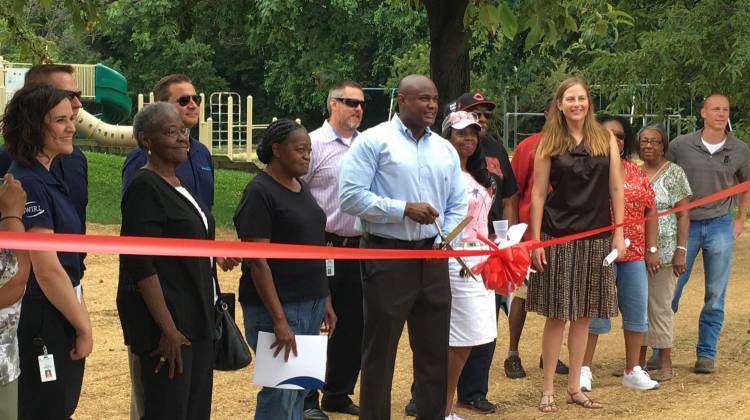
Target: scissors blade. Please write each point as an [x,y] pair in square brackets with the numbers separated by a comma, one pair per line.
[447,245]
[458,229]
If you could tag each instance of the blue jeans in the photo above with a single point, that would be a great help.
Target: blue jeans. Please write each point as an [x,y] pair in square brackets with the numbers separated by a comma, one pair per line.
[304,318]
[716,238]
[632,299]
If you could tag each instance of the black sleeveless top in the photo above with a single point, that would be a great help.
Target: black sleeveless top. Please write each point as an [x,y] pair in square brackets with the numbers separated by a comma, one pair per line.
[579,199]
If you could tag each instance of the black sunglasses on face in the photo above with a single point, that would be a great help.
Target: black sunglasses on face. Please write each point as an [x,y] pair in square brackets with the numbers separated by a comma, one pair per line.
[185,99]
[351,103]
[485,114]
[619,135]
[73,94]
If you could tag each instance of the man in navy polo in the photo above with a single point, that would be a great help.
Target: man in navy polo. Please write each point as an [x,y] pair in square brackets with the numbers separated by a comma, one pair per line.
[197,172]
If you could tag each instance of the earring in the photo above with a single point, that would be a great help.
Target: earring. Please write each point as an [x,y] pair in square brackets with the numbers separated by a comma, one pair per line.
[148,152]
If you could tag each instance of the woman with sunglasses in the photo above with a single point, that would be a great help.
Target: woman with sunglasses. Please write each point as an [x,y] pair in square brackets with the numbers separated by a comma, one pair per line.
[672,189]
[38,128]
[631,269]
[579,159]
[473,321]
[166,304]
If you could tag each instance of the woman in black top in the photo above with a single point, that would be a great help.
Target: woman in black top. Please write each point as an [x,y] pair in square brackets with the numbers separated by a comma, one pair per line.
[284,297]
[166,304]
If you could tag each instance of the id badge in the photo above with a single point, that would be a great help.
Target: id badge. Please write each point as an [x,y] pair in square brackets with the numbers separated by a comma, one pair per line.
[47,367]
[330,267]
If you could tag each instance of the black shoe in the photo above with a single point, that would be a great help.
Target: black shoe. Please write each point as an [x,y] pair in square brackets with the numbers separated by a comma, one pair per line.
[480,405]
[411,408]
[514,368]
[560,369]
[704,365]
[346,408]
[314,414]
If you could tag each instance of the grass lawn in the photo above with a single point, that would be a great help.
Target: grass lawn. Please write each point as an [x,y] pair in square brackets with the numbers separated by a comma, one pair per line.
[104,190]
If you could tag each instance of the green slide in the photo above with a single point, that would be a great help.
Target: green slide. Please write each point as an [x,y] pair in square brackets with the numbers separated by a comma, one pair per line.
[112,100]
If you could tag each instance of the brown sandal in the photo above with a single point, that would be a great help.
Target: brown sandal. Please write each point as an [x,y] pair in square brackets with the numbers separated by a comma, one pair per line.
[587,403]
[550,406]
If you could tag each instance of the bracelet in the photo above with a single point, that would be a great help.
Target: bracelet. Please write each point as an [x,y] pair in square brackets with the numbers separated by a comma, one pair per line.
[11,217]
[681,247]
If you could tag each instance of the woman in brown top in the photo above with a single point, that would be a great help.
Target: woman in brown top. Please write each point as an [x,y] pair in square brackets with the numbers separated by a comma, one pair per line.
[580,161]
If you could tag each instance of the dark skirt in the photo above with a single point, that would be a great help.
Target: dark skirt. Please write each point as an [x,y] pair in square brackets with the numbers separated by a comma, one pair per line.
[574,284]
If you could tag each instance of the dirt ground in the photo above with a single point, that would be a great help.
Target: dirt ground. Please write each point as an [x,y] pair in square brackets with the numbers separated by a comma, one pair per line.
[106,389]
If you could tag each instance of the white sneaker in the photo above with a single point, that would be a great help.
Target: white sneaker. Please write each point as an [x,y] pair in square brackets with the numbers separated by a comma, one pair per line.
[587,378]
[453,416]
[638,379]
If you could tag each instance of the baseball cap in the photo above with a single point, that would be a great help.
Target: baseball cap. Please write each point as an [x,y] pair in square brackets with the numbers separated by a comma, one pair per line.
[460,120]
[470,100]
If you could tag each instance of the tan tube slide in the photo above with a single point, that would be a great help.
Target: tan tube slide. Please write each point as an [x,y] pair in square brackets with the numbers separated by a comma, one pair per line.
[104,133]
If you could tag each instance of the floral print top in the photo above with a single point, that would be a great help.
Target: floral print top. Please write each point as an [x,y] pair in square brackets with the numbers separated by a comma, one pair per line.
[638,197]
[670,187]
[9,364]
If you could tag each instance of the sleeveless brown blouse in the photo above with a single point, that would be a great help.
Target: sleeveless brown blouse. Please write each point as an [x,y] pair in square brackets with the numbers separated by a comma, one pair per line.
[579,199]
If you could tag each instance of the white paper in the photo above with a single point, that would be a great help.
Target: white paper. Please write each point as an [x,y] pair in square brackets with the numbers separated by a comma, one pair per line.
[307,370]
[612,256]
[515,234]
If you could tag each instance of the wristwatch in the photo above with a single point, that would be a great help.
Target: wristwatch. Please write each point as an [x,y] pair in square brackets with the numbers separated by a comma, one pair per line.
[653,249]
[681,247]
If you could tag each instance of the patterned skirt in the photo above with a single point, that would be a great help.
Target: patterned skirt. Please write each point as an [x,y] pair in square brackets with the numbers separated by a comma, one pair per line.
[574,284]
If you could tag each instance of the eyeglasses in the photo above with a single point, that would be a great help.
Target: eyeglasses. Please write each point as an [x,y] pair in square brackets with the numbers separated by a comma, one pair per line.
[652,142]
[619,134]
[351,103]
[175,133]
[185,99]
[73,94]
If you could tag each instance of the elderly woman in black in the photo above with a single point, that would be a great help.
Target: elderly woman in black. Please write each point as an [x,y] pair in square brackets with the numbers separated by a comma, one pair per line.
[166,304]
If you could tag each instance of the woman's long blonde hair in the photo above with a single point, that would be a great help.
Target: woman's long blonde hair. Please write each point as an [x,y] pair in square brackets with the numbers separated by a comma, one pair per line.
[556,138]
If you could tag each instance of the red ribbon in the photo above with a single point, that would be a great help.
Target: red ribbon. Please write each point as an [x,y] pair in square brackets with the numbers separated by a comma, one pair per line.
[505,269]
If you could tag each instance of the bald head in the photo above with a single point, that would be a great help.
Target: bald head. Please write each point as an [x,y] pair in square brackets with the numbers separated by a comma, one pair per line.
[417,103]
[715,112]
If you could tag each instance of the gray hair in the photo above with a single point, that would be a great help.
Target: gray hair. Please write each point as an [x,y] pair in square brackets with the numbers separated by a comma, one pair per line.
[338,90]
[150,116]
[659,128]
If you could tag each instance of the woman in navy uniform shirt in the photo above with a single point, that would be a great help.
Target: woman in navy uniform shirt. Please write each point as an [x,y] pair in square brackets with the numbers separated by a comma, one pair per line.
[38,127]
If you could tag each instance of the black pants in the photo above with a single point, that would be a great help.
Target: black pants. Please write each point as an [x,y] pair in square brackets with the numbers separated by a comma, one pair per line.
[345,346]
[41,324]
[396,291]
[187,395]
[474,380]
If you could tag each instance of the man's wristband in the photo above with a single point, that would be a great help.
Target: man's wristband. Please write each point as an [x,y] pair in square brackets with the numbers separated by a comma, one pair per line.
[681,247]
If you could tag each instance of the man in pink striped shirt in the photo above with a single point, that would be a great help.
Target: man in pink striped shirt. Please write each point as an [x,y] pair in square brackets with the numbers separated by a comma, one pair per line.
[346,104]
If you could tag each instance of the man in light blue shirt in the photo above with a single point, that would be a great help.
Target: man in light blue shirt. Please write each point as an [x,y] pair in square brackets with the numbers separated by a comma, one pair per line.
[398,179]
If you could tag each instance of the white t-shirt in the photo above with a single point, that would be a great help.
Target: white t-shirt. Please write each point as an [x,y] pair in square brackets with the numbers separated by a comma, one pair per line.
[713,148]
[192,201]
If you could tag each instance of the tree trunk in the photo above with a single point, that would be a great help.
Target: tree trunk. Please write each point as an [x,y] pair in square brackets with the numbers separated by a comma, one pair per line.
[449,49]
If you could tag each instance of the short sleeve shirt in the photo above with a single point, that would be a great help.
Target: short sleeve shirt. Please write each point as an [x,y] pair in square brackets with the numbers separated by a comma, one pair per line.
[639,196]
[10,366]
[480,201]
[270,210]
[670,187]
[498,165]
[49,205]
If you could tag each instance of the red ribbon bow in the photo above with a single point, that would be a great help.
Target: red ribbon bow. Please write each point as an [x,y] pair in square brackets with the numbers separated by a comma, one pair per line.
[505,269]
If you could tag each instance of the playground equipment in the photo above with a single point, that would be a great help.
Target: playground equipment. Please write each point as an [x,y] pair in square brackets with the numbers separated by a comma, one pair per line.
[103,92]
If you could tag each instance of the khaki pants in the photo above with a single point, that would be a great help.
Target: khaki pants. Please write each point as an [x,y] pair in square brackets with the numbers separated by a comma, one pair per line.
[660,292]
[9,400]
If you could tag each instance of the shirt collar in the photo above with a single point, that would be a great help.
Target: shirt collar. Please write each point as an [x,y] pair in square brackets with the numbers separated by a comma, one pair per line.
[698,141]
[332,135]
[405,130]
[38,170]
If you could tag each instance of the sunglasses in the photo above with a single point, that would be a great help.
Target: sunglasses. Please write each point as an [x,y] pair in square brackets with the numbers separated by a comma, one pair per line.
[619,135]
[73,94]
[351,103]
[184,100]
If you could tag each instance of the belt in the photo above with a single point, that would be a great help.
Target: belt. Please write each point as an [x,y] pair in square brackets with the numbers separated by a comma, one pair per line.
[426,243]
[342,241]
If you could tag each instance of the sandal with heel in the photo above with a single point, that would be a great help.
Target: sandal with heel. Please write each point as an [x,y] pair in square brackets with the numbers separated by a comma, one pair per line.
[550,406]
[585,403]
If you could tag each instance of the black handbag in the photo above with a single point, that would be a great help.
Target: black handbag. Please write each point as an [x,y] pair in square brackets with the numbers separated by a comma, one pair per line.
[231,351]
